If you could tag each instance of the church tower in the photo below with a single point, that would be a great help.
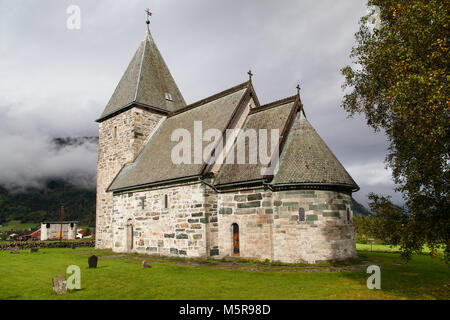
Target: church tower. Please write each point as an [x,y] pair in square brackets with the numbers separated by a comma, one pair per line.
[141,101]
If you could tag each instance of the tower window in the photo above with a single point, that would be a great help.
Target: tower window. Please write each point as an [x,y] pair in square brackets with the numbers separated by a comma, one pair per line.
[301,215]
[169,96]
[166,201]
[115,132]
[348,216]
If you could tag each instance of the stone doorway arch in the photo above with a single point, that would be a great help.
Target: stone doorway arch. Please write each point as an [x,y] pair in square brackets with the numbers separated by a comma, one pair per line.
[130,235]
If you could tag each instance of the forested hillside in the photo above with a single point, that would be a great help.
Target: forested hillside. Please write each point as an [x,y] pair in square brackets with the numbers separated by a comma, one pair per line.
[36,205]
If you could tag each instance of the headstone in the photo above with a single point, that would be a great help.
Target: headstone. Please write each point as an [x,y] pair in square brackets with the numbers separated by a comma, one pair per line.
[14,250]
[92,261]
[34,250]
[145,264]
[60,285]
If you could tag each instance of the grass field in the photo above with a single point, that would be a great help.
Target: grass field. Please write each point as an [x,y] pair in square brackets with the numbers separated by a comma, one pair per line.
[17,225]
[29,276]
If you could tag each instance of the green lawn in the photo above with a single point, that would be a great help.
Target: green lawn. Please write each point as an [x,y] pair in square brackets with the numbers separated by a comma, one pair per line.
[29,276]
[18,226]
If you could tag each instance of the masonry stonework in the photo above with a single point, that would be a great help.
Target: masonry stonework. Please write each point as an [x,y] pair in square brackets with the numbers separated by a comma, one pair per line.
[176,230]
[198,223]
[326,233]
[120,140]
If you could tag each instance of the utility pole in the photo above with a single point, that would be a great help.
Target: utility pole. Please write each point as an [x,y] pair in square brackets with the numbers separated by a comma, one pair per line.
[60,223]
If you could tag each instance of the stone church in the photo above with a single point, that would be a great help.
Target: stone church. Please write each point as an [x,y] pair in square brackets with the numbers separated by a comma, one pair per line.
[146,203]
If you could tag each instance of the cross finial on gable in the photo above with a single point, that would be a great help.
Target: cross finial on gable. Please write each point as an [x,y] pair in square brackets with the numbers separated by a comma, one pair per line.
[298,89]
[250,75]
[149,14]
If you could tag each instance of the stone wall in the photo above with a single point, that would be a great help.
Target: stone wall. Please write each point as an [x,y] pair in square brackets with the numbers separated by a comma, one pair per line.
[39,244]
[252,211]
[270,226]
[120,140]
[198,223]
[326,233]
[179,230]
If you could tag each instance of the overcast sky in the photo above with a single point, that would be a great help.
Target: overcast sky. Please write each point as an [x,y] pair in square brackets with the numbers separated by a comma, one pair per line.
[55,82]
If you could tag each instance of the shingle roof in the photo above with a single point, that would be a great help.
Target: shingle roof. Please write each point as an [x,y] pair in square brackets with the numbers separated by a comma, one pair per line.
[306,159]
[271,116]
[154,164]
[146,82]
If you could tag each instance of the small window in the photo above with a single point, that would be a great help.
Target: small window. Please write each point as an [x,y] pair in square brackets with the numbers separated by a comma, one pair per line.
[115,132]
[71,225]
[348,215]
[169,97]
[301,215]
[166,201]
[143,202]
[47,225]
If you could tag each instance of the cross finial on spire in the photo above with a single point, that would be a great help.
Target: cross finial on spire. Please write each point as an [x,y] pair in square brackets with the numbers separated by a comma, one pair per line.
[149,14]
[298,89]
[250,74]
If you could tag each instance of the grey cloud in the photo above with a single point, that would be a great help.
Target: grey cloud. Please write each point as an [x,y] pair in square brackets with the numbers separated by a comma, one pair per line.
[58,81]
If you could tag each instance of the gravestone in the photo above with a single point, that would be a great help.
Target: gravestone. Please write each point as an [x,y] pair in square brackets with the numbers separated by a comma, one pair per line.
[145,264]
[14,250]
[60,285]
[34,250]
[92,261]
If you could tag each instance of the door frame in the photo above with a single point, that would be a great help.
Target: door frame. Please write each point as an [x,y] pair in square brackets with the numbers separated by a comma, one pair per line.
[129,243]
[234,235]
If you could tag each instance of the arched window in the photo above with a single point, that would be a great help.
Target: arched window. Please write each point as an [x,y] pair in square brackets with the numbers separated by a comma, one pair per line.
[301,215]
[166,201]
[115,132]
[348,215]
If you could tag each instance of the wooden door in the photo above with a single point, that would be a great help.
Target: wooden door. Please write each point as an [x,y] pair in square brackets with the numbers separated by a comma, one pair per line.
[235,239]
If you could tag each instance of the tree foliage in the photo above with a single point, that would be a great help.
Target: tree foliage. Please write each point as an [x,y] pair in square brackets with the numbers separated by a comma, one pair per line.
[387,224]
[399,81]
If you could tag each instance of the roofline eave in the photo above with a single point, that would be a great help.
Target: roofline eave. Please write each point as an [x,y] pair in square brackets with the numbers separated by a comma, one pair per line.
[350,187]
[155,184]
[129,106]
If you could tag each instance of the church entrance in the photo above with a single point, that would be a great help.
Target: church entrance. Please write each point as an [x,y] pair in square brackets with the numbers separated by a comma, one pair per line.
[130,235]
[235,239]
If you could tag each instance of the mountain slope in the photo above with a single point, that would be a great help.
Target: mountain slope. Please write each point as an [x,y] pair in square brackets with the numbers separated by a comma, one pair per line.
[37,205]
[359,209]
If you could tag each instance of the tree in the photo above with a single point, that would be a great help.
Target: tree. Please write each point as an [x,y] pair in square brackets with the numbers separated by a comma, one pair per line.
[399,81]
[390,220]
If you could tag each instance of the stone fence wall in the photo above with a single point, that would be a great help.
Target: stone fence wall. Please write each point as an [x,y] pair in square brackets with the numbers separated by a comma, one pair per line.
[40,244]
